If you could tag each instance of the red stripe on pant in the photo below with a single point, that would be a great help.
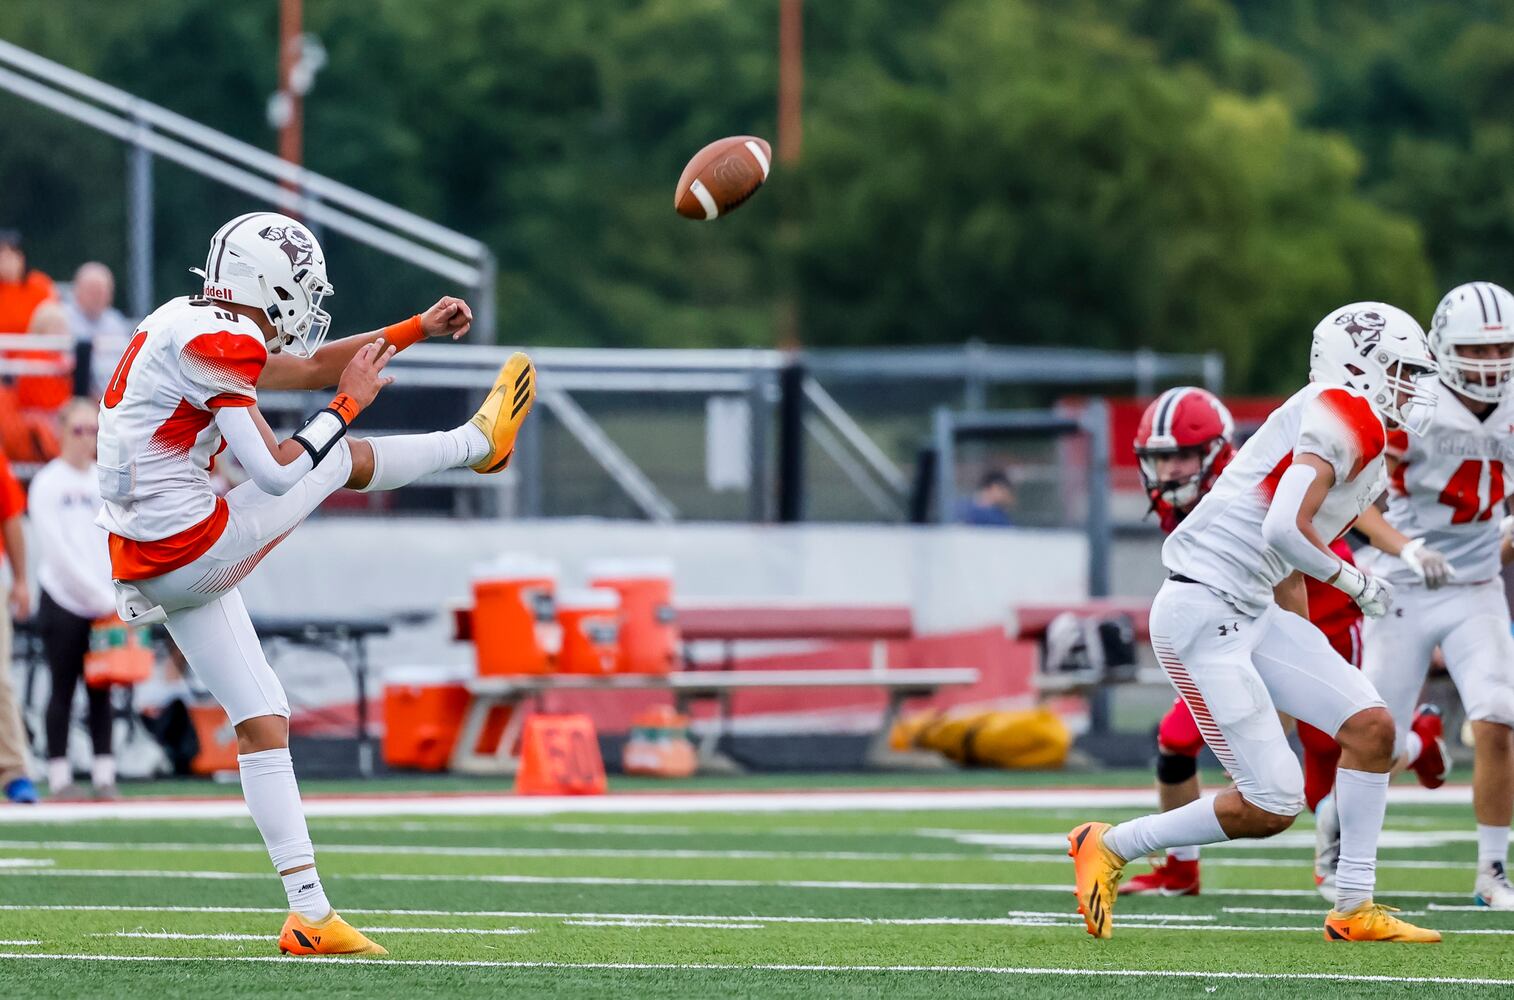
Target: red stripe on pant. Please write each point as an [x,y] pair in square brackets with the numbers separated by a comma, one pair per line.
[1199,710]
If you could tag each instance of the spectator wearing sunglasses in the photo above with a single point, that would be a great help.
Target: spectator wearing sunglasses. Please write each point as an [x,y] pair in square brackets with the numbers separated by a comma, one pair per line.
[73,572]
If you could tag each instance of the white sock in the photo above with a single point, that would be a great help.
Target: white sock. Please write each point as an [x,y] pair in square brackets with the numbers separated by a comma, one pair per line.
[1413,747]
[60,774]
[1195,823]
[273,798]
[401,459]
[102,771]
[1361,801]
[306,897]
[1183,853]
[1492,845]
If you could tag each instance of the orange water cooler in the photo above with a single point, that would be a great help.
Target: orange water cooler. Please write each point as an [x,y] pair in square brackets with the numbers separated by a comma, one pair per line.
[515,629]
[590,622]
[648,628]
[424,710]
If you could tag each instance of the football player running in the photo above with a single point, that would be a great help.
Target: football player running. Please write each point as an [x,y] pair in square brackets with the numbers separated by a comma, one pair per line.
[1445,506]
[1225,629]
[1184,441]
[185,389]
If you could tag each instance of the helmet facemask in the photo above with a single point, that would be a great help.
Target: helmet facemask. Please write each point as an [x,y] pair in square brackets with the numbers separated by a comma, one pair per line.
[1181,494]
[1483,379]
[296,312]
[1407,396]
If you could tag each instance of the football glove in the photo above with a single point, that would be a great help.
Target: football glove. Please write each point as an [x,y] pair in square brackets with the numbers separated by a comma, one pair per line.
[1372,595]
[1432,568]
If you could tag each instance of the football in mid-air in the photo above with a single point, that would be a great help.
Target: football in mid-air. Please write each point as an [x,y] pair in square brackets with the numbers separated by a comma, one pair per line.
[721,176]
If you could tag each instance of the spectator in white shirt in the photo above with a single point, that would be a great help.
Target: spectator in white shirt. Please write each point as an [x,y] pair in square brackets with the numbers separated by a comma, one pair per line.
[73,570]
[94,321]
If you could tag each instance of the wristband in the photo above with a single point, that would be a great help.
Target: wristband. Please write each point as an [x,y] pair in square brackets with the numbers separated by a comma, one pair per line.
[326,427]
[401,335]
[345,407]
[1350,581]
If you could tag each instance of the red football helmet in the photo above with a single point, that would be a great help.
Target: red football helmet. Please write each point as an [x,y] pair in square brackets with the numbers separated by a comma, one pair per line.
[1185,419]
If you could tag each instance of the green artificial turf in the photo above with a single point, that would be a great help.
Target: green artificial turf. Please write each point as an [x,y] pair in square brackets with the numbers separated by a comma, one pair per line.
[813,904]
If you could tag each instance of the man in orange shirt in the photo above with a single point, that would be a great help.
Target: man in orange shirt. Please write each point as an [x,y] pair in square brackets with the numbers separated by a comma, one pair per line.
[14,780]
[21,291]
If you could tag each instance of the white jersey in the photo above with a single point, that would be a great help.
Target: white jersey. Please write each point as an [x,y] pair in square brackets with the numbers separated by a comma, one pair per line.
[1449,484]
[1220,544]
[158,437]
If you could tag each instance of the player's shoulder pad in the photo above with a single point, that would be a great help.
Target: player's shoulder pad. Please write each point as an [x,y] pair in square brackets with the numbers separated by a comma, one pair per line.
[1356,420]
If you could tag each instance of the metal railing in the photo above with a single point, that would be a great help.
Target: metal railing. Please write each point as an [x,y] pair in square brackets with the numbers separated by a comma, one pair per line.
[151,130]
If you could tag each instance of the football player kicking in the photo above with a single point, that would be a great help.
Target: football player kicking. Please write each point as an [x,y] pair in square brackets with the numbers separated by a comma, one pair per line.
[1224,628]
[185,389]
[1445,501]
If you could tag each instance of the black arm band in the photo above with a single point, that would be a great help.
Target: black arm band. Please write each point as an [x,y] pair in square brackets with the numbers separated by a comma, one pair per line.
[321,433]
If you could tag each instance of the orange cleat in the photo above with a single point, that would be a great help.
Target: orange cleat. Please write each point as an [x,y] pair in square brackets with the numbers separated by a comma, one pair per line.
[1375,922]
[1169,878]
[1097,871]
[332,936]
[504,410]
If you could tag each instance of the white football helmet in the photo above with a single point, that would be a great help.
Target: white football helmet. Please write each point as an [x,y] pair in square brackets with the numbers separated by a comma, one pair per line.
[273,263]
[1380,351]
[1474,314]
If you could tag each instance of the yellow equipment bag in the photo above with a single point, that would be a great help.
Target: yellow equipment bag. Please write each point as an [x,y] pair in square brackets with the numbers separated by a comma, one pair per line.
[1035,738]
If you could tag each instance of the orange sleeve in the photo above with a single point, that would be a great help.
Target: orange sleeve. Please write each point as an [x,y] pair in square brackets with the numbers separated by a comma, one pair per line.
[401,335]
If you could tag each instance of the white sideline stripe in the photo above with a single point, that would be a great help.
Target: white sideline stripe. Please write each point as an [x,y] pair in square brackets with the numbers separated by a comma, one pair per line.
[173,936]
[738,883]
[1283,842]
[20,943]
[653,923]
[1465,908]
[1085,800]
[1335,977]
[26,862]
[1303,913]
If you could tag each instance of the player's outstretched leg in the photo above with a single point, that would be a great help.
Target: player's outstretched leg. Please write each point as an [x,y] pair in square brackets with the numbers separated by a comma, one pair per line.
[484,444]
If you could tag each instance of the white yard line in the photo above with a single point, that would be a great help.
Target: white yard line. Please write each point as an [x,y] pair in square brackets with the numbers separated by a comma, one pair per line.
[686,882]
[20,943]
[1318,912]
[679,854]
[653,923]
[26,862]
[1334,977]
[1091,799]
[172,936]
[1467,908]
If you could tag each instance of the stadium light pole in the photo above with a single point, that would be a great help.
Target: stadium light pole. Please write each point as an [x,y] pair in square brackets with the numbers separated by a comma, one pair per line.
[791,402]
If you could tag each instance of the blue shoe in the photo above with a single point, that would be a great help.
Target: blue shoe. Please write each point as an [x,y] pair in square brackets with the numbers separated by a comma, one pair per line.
[22,792]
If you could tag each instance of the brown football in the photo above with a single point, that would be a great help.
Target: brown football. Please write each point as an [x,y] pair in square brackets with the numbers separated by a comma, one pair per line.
[721,176]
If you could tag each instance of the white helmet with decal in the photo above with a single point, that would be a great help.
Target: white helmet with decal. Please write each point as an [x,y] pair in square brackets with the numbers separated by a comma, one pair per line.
[273,263]
[1380,351]
[1476,314]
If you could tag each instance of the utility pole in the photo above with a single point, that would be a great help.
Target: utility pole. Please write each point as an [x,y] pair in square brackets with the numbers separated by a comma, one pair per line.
[790,79]
[292,125]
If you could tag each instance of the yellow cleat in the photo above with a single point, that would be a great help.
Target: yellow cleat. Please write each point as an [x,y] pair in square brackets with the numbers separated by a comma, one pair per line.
[332,936]
[1375,922]
[1098,871]
[504,410]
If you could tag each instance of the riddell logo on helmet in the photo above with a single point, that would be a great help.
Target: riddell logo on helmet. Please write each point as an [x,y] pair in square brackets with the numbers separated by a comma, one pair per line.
[218,292]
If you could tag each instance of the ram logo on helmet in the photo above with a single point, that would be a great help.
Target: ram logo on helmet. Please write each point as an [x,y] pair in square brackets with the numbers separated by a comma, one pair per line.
[1366,328]
[294,241]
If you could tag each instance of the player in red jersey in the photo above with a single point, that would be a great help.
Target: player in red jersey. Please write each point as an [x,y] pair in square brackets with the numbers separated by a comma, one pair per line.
[1184,441]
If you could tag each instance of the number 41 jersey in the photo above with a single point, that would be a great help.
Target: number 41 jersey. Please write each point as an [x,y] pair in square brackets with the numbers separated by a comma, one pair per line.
[158,437]
[1449,485]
